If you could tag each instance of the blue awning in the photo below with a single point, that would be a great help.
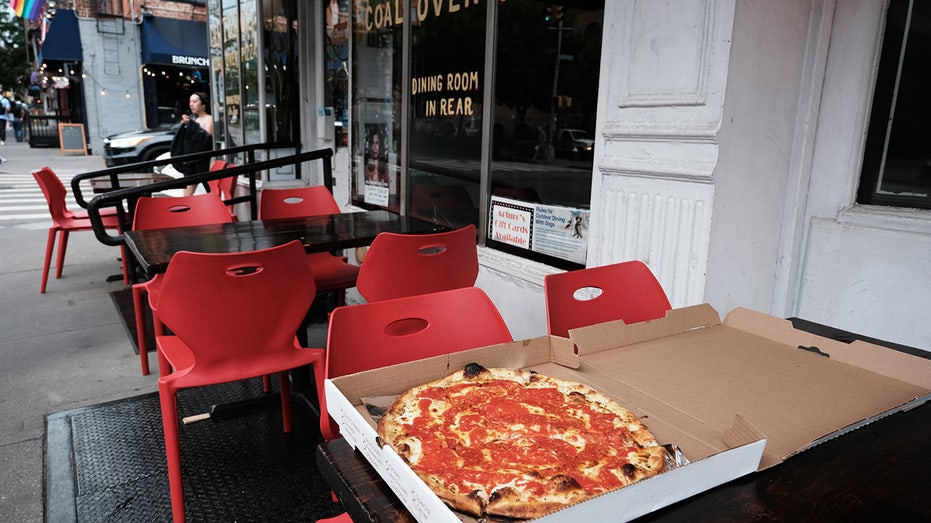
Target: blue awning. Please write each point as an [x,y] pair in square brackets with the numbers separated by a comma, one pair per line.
[167,41]
[63,40]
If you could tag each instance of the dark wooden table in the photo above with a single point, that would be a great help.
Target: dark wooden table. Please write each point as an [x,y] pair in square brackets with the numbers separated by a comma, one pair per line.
[880,472]
[153,249]
[104,184]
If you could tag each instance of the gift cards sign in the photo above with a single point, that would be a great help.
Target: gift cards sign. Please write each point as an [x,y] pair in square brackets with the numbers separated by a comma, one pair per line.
[547,229]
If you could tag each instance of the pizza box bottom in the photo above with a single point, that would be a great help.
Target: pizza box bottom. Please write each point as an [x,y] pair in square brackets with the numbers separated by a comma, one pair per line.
[735,397]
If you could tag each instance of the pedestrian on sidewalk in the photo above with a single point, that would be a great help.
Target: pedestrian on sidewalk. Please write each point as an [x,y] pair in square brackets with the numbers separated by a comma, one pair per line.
[5,112]
[5,106]
[17,116]
[194,136]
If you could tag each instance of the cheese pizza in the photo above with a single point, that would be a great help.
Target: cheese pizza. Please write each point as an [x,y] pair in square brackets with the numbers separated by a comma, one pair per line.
[515,443]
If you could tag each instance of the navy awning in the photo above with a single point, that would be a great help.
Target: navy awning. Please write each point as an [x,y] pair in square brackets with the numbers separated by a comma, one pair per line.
[63,40]
[167,41]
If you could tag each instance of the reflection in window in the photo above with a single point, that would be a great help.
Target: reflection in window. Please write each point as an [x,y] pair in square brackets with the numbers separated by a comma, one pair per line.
[281,71]
[546,90]
[896,161]
[336,52]
[447,79]
[376,107]
[232,69]
[545,106]
[217,66]
[249,72]
[539,146]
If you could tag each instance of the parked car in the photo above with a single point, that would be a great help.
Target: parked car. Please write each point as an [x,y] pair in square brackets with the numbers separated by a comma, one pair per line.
[574,144]
[138,146]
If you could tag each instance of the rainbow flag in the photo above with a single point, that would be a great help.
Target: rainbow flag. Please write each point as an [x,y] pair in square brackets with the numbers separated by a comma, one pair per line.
[28,9]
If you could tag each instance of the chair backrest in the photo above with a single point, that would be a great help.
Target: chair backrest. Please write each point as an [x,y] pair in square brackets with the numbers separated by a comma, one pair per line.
[398,265]
[294,202]
[225,188]
[54,191]
[378,334]
[180,211]
[230,308]
[622,291]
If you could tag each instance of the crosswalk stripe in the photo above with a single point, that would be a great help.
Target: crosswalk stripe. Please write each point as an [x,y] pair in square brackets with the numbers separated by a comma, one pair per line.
[24,217]
[21,199]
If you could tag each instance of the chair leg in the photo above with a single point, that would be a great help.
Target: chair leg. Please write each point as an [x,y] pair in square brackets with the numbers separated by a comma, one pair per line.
[49,249]
[266,383]
[62,247]
[340,297]
[284,386]
[169,405]
[125,264]
[164,368]
[139,296]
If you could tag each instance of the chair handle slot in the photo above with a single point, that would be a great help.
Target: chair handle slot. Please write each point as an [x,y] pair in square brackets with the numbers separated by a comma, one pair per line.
[406,326]
[244,270]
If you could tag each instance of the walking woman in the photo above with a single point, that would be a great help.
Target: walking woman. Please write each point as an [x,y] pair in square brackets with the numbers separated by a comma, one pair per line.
[194,136]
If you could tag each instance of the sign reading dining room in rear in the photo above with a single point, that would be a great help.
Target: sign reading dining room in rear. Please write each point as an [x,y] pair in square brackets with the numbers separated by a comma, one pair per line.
[556,231]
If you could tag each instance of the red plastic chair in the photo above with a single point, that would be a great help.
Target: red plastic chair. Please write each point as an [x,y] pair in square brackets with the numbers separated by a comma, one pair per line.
[233,317]
[224,188]
[625,291]
[331,272]
[64,221]
[163,213]
[398,265]
[382,333]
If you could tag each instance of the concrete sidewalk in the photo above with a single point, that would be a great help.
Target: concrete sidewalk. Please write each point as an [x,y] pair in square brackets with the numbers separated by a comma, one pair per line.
[60,350]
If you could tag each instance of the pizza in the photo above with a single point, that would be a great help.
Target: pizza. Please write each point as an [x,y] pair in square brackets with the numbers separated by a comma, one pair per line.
[516,443]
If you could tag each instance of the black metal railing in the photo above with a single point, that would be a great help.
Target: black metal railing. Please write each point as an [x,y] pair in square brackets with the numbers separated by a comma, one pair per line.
[42,130]
[125,198]
[232,155]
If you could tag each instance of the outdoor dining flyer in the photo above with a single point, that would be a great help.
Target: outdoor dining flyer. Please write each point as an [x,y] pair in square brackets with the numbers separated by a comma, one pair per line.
[556,231]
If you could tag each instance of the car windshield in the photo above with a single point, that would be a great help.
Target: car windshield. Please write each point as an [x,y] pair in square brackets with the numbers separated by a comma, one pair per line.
[579,135]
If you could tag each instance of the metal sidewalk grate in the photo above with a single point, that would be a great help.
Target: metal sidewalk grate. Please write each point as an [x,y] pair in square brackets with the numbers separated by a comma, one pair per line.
[107,462]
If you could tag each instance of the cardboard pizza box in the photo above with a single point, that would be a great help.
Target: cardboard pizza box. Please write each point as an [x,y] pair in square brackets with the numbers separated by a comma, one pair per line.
[735,396]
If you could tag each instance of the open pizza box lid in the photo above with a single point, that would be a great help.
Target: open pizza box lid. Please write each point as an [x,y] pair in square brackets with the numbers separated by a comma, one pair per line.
[735,397]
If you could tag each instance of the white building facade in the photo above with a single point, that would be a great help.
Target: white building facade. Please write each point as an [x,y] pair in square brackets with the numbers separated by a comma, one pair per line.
[728,155]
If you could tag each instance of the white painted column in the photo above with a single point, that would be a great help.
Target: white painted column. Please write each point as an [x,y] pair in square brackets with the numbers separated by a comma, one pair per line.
[664,72]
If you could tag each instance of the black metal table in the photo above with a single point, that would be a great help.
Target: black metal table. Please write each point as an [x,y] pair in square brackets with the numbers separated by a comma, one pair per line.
[154,248]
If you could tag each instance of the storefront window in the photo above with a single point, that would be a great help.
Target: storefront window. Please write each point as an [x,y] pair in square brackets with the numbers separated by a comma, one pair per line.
[249,71]
[376,104]
[546,90]
[232,69]
[281,71]
[896,162]
[336,51]
[217,66]
[537,170]
[256,80]
[447,79]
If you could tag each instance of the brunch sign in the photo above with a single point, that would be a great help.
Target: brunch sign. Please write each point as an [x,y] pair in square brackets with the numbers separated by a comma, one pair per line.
[391,13]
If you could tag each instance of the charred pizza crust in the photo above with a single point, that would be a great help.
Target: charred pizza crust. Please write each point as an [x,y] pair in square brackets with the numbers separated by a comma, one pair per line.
[515,443]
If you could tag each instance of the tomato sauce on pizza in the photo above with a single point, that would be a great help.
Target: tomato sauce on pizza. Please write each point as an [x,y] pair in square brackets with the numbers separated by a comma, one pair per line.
[515,443]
